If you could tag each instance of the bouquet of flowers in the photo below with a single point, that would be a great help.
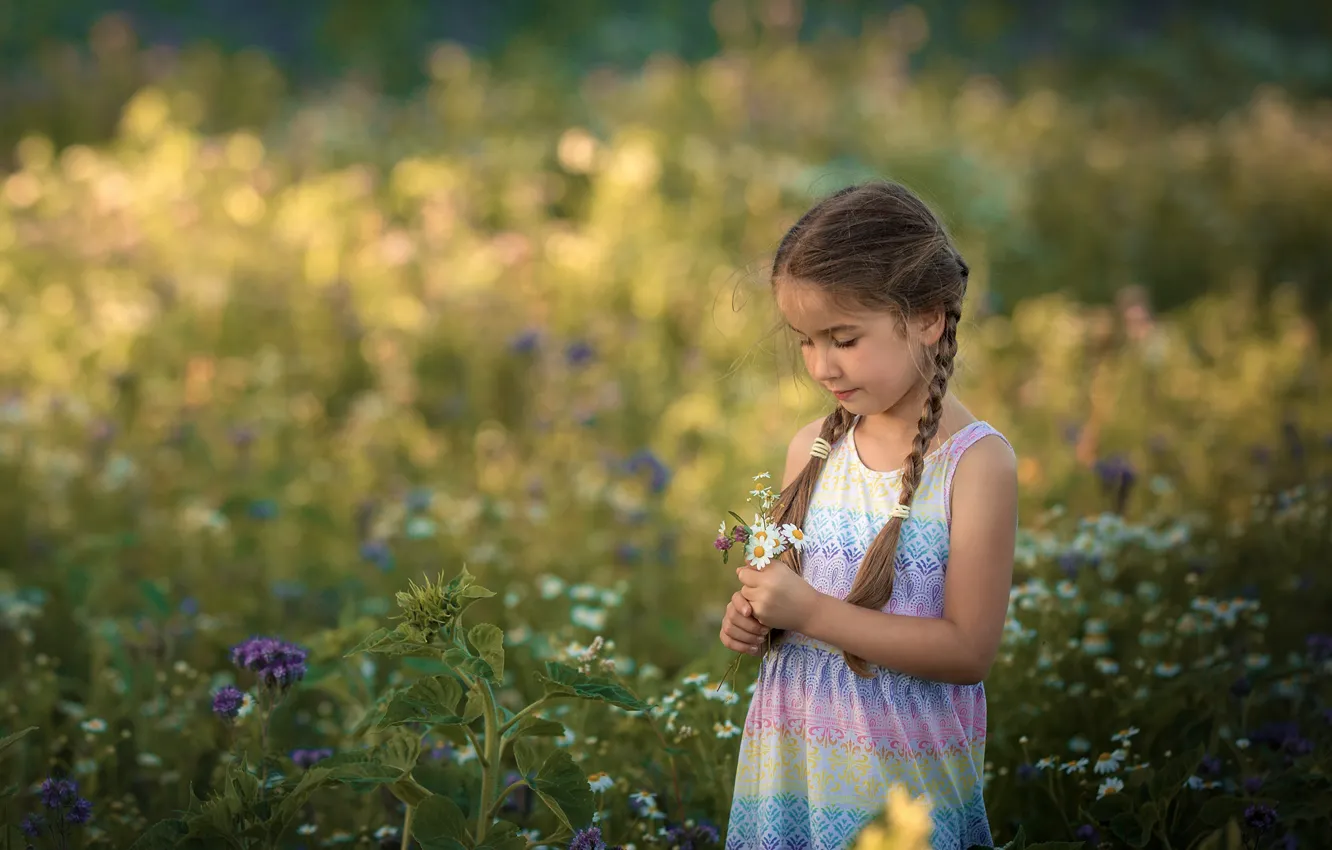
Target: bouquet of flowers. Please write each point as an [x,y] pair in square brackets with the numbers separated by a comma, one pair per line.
[763,541]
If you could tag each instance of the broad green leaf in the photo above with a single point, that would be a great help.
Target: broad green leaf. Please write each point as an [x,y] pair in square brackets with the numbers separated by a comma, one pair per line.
[163,835]
[475,667]
[394,643]
[361,770]
[535,727]
[409,791]
[373,639]
[563,679]
[432,700]
[311,781]
[10,740]
[488,640]
[563,787]
[440,825]
[476,705]
[503,835]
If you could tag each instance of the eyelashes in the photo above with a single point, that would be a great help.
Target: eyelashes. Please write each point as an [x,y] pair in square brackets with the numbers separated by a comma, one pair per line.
[850,343]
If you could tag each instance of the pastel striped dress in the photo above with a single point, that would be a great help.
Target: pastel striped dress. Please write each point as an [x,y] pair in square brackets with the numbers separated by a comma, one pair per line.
[821,745]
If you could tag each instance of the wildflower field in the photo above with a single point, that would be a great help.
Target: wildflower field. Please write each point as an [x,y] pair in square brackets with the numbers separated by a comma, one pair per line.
[359,470]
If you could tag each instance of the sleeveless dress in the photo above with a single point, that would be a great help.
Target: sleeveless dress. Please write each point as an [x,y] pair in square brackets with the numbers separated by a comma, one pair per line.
[821,745]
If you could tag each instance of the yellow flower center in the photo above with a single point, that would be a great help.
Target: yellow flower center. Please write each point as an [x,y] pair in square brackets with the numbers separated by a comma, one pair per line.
[760,552]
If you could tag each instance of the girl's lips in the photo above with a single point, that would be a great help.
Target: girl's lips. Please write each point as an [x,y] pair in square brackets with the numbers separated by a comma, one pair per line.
[843,396]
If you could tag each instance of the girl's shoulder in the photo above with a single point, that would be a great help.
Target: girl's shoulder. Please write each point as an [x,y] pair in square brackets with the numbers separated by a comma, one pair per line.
[981,463]
[797,453]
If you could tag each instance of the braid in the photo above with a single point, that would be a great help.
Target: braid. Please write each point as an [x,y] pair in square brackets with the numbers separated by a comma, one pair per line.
[873,586]
[793,504]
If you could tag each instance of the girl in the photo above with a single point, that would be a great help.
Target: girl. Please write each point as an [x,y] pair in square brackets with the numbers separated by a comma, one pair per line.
[891,615]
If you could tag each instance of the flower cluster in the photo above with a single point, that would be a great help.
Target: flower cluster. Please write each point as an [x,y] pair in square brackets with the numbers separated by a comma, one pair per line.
[763,540]
[61,799]
[227,702]
[278,664]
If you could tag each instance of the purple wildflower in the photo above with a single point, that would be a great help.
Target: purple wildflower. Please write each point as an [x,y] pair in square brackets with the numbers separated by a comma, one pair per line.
[278,664]
[1260,818]
[1253,784]
[587,839]
[722,543]
[309,758]
[32,826]
[80,812]
[740,534]
[58,792]
[227,702]
[691,836]
[1088,833]
[1210,766]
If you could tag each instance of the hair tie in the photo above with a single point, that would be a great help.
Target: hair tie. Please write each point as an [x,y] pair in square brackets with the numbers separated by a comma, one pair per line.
[900,510]
[820,449]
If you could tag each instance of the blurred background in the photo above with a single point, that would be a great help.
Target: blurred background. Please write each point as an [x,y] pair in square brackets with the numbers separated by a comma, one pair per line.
[300,300]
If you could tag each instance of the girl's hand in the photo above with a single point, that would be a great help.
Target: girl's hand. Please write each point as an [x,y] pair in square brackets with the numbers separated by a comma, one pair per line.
[740,631]
[779,597]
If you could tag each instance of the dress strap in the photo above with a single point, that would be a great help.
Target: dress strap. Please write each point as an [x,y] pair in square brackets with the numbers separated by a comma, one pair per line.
[968,436]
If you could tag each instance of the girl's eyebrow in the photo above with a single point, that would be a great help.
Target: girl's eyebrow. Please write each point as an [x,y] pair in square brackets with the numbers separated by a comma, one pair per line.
[831,330]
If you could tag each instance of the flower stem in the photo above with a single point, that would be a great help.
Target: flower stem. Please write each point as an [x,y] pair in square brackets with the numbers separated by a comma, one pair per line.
[513,721]
[490,767]
[407,828]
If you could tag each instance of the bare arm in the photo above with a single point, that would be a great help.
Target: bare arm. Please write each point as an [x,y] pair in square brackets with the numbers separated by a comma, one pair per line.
[960,646]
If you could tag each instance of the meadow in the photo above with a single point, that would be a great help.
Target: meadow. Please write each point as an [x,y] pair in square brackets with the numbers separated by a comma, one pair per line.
[361,468]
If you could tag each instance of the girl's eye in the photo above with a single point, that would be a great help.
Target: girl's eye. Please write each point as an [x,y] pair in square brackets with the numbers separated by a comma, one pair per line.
[805,343]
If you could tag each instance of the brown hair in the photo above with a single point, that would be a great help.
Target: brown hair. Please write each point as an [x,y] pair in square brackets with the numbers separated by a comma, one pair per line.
[876,246]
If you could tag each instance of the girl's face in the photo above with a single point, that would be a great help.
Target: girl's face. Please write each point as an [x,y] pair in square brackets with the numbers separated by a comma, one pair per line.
[868,360]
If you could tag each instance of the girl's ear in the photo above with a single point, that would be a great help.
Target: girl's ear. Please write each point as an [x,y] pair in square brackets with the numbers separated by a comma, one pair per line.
[930,327]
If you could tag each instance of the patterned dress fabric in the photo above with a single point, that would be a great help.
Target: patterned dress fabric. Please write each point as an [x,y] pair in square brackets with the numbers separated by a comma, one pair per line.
[821,745]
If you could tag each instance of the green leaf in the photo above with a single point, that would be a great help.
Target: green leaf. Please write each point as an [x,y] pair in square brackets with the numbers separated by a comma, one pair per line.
[400,751]
[311,781]
[564,680]
[439,825]
[1110,805]
[1019,841]
[432,700]
[163,835]
[503,835]
[393,643]
[1171,776]
[476,704]
[10,740]
[563,787]
[155,597]
[361,770]
[535,727]
[1135,829]
[488,640]
[475,667]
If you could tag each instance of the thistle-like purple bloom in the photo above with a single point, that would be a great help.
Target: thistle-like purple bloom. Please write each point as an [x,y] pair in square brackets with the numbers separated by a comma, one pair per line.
[58,792]
[1260,818]
[80,812]
[227,702]
[279,664]
[588,839]
[722,543]
[32,826]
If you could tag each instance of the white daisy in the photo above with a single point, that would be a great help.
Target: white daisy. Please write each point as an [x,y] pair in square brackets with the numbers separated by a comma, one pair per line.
[793,536]
[761,532]
[1124,735]
[725,730]
[1113,785]
[1107,763]
[759,553]
[600,782]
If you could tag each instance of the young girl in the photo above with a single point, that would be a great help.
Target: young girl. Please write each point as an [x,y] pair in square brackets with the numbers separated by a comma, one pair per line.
[887,621]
